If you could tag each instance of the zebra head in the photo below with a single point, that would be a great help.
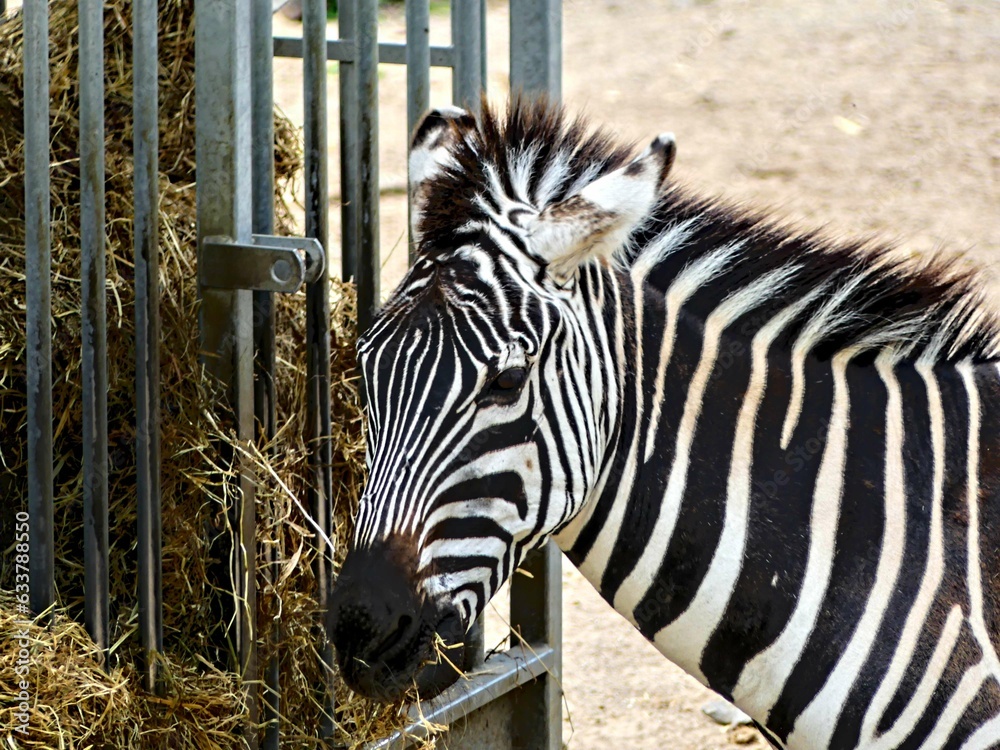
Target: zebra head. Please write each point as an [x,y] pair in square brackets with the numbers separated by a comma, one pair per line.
[488,401]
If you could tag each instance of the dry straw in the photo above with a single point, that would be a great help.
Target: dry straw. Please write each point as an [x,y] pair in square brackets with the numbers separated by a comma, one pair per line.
[76,701]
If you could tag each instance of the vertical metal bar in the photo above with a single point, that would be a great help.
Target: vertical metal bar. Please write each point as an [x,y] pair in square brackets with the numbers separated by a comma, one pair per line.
[536,601]
[349,155]
[38,262]
[94,364]
[536,47]
[418,77]
[418,61]
[467,40]
[147,328]
[262,169]
[262,122]
[536,612]
[318,321]
[369,265]
[483,52]
[224,203]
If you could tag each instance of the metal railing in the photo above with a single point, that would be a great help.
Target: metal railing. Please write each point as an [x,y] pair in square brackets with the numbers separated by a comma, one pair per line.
[234,138]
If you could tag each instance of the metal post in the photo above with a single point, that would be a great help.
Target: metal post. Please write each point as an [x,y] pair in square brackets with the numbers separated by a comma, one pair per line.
[94,363]
[483,52]
[262,138]
[418,61]
[418,77]
[222,143]
[536,47]
[467,81]
[318,321]
[369,265]
[38,263]
[536,612]
[536,601]
[147,328]
[468,40]
[349,155]
[262,122]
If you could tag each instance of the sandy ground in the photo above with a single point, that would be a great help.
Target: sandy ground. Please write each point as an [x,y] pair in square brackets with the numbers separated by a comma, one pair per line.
[865,116]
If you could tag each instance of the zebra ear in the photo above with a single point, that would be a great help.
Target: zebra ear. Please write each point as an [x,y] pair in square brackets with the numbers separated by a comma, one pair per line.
[596,221]
[430,153]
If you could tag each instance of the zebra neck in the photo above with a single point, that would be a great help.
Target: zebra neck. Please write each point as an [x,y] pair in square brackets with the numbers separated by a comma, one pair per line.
[711,419]
[666,530]
[763,518]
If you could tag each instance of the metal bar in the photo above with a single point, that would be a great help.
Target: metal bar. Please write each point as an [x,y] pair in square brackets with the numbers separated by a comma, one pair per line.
[344,50]
[418,80]
[536,612]
[273,264]
[94,363]
[466,39]
[147,328]
[318,430]
[349,156]
[224,204]
[536,601]
[501,674]
[369,265]
[38,263]
[536,47]
[262,169]
[483,38]
[308,248]
[418,61]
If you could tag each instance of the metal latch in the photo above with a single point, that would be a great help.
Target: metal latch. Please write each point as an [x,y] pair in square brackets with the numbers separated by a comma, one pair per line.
[272,264]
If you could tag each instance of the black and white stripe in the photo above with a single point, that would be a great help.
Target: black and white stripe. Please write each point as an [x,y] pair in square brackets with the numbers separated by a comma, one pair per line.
[776,455]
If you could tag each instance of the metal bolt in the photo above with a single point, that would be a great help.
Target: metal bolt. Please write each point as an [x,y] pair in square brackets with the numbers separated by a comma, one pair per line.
[281,271]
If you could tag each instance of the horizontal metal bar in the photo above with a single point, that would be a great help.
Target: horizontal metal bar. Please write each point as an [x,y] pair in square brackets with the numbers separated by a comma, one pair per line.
[500,674]
[273,264]
[347,51]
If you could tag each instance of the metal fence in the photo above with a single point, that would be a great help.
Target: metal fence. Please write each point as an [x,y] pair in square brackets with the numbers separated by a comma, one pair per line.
[240,266]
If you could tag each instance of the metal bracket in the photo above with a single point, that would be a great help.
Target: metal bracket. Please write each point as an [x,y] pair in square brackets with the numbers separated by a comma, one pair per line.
[272,264]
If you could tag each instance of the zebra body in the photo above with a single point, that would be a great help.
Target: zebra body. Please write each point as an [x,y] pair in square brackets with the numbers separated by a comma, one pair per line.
[773,454]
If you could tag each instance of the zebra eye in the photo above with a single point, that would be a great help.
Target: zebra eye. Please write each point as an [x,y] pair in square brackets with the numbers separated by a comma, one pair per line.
[510,379]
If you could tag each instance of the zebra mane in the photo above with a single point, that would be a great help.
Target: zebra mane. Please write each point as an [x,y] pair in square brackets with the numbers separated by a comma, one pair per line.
[532,151]
[859,294]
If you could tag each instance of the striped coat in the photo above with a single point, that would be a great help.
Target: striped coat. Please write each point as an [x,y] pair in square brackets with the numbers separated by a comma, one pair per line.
[772,453]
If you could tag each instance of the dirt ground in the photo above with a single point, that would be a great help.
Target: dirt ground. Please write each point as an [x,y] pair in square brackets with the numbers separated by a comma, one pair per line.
[862,115]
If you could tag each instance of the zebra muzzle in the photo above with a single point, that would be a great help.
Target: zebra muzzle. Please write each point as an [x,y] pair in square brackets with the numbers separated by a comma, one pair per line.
[390,639]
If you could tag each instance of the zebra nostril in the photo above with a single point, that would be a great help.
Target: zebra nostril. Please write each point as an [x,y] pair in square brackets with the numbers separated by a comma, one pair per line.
[393,639]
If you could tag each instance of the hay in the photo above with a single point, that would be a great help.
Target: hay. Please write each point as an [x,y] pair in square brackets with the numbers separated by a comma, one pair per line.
[76,701]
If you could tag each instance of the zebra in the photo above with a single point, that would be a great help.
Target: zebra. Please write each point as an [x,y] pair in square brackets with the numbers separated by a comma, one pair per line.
[776,454]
